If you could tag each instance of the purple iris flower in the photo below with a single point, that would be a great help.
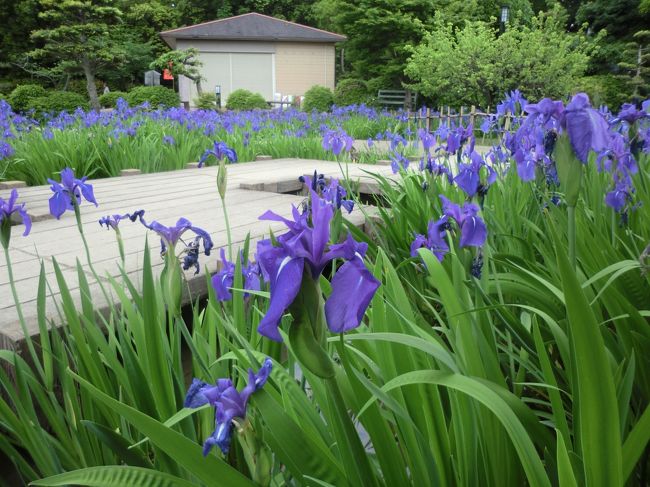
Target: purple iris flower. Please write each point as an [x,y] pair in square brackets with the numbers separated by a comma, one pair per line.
[353,287]
[487,124]
[169,236]
[168,139]
[473,232]
[469,175]
[69,188]
[510,103]
[619,196]
[435,239]
[220,150]
[617,156]
[6,150]
[337,141]
[112,221]
[335,194]
[398,161]
[630,113]
[302,248]
[223,280]
[587,128]
[9,207]
[437,169]
[229,404]
[544,111]
[428,139]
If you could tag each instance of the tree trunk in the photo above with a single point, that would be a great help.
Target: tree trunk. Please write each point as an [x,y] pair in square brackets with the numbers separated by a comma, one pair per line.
[90,84]
[199,89]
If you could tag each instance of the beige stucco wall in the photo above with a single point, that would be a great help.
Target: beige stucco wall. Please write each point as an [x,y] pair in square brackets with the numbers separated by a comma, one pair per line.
[288,68]
[299,66]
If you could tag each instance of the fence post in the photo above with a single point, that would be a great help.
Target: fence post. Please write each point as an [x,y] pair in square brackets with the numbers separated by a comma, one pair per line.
[460,120]
[448,115]
[472,115]
[428,121]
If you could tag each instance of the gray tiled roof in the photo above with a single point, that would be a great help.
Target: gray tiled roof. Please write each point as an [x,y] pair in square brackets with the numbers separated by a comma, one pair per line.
[251,27]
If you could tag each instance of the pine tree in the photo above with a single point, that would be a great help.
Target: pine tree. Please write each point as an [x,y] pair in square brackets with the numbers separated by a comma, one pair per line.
[78,37]
[637,63]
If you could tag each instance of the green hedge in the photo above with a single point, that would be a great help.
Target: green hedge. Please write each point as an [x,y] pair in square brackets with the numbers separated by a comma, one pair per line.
[58,101]
[351,91]
[20,97]
[245,100]
[109,100]
[155,95]
[318,98]
[206,101]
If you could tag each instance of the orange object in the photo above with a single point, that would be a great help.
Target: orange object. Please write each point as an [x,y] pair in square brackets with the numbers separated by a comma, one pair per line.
[167,74]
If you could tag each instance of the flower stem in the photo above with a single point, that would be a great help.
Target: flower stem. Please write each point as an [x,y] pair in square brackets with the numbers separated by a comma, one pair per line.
[77,214]
[21,317]
[227,222]
[571,216]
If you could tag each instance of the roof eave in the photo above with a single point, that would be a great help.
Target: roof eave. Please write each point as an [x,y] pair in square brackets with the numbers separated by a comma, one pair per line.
[169,40]
[172,39]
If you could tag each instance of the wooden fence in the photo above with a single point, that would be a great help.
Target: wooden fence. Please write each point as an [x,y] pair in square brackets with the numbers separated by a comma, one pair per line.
[430,119]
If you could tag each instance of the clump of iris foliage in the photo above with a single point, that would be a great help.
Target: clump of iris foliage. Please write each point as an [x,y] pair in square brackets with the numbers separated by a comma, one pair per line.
[102,144]
[493,329]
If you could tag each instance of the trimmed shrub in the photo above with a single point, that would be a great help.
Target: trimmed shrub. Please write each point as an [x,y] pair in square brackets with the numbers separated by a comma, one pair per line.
[109,100]
[58,101]
[245,100]
[155,95]
[318,98]
[206,101]
[80,86]
[20,97]
[351,91]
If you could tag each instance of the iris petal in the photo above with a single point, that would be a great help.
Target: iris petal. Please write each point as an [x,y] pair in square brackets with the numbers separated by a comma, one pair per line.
[285,274]
[353,287]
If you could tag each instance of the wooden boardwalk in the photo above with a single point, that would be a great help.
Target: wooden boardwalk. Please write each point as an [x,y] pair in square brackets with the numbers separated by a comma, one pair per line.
[189,193]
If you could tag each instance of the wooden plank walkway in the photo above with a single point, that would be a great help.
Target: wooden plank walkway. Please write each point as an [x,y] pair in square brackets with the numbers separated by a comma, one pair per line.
[189,193]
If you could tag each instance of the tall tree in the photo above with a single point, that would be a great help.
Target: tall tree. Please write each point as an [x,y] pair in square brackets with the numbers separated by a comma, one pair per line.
[377,31]
[79,36]
[195,11]
[144,20]
[636,63]
[16,18]
[467,65]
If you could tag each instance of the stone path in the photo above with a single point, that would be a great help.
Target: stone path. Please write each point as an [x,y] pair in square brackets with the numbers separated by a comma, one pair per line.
[253,188]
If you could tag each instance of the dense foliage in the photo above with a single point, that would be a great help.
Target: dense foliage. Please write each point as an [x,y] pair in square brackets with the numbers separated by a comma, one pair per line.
[22,95]
[156,96]
[55,102]
[319,98]
[245,100]
[206,101]
[109,100]
[351,91]
[467,66]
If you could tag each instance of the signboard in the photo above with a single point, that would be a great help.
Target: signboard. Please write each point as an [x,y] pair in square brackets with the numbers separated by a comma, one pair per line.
[152,78]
